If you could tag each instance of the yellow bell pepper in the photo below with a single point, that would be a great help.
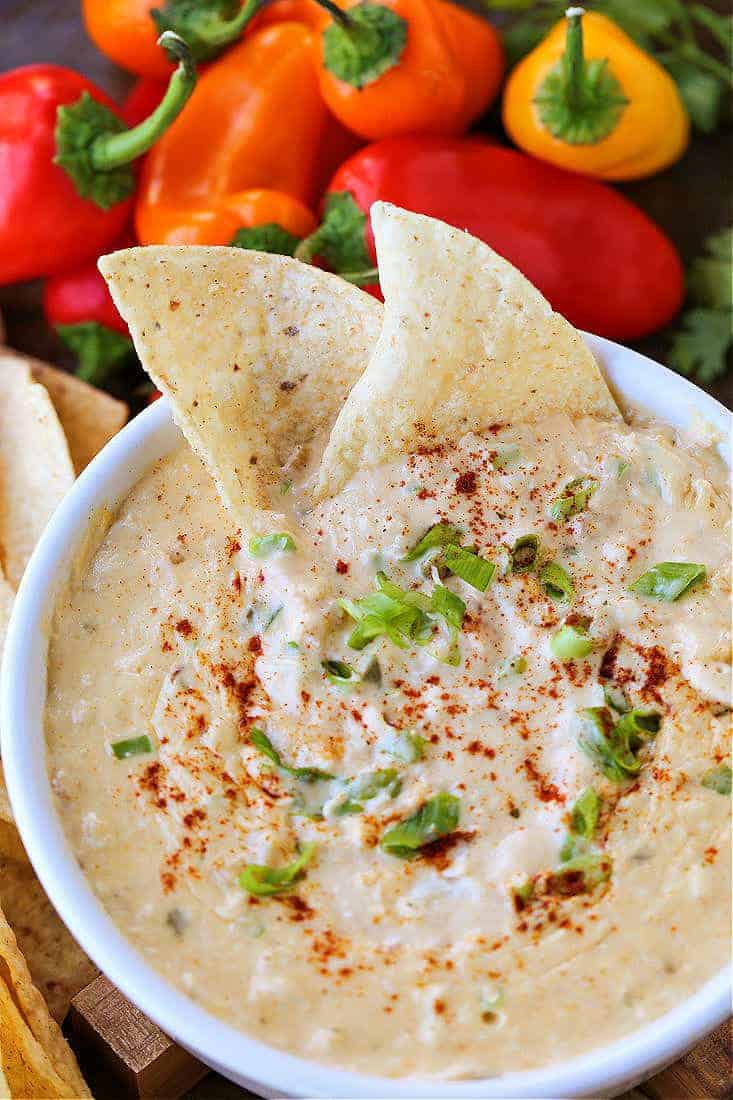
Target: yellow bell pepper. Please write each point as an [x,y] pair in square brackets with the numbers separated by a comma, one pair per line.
[589,100]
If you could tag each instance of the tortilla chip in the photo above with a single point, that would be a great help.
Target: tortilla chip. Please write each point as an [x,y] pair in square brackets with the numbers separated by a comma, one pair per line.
[89,417]
[35,465]
[35,1058]
[467,342]
[57,965]
[257,354]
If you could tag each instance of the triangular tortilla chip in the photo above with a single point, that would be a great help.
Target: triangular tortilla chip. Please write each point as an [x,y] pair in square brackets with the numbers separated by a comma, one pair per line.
[36,1059]
[467,342]
[257,354]
[35,465]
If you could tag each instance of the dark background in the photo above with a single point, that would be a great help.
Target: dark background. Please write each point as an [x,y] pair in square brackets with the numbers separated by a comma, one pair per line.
[689,201]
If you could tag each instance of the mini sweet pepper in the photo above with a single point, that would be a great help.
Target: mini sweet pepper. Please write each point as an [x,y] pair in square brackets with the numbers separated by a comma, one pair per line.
[67,178]
[590,100]
[400,66]
[255,120]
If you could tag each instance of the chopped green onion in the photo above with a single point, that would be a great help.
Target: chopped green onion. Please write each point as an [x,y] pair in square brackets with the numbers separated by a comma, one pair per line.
[365,787]
[292,645]
[621,467]
[556,582]
[440,534]
[571,642]
[467,565]
[718,779]
[404,745]
[264,881]
[524,554]
[513,666]
[373,674]
[668,580]
[614,747]
[398,614]
[449,605]
[506,457]
[573,498]
[436,818]
[272,618]
[585,814]
[522,893]
[588,863]
[263,744]
[638,725]
[133,746]
[339,673]
[286,486]
[616,698]
[264,545]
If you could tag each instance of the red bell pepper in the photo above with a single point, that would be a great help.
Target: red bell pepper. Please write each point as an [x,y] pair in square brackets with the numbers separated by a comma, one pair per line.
[66,178]
[595,256]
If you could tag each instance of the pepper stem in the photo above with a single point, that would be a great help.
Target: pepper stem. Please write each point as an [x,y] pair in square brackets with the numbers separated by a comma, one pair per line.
[216,36]
[573,58]
[110,150]
[579,101]
[336,13]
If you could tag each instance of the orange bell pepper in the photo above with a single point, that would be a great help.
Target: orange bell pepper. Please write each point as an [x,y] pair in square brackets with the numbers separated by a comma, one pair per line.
[255,120]
[407,66]
[126,30]
[257,207]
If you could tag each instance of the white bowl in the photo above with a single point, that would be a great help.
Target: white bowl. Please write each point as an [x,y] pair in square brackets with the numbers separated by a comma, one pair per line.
[604,1071]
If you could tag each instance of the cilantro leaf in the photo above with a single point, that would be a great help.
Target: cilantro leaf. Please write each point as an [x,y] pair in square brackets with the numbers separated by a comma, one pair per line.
[701,347]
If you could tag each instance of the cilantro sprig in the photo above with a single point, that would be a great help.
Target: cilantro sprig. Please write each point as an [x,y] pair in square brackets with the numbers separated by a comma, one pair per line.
[702,344]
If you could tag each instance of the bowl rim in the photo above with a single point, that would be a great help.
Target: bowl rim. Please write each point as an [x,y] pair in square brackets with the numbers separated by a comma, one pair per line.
[248,1061]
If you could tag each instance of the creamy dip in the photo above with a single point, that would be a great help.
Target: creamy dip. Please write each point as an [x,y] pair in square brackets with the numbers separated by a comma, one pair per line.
[519,933]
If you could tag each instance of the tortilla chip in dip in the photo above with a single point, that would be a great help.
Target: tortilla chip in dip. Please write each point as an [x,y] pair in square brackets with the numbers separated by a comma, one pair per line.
[35,465]
[35,1059]
[467,342]
[257,354]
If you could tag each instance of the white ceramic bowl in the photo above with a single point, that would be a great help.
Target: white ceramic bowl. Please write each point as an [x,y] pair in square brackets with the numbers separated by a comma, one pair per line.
[604,1071]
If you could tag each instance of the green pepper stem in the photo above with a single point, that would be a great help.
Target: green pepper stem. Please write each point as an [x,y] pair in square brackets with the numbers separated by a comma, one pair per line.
[218,35]
[573,58]
[361,278]
[110,151]
[336,12]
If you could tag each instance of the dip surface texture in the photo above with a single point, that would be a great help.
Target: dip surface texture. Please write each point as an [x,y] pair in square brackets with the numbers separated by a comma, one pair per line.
[519,933]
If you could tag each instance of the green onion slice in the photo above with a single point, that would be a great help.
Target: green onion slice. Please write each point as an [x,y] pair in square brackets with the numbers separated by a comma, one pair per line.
[513,666]
[405,745]
[573,498]
[718,779]
[524,554]
[556,582]
[571,642]
[585,814]
[508,456]
[365,787]
[440,534]
[470,567]
[339,673]
[588,862]
[614,747]
[132,746]
[264,545]
[616,698]
[436,818]
[264,745]
[264,881]
[669,580]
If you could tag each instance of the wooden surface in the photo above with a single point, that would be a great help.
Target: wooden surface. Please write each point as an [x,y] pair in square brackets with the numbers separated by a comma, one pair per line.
[690,201]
